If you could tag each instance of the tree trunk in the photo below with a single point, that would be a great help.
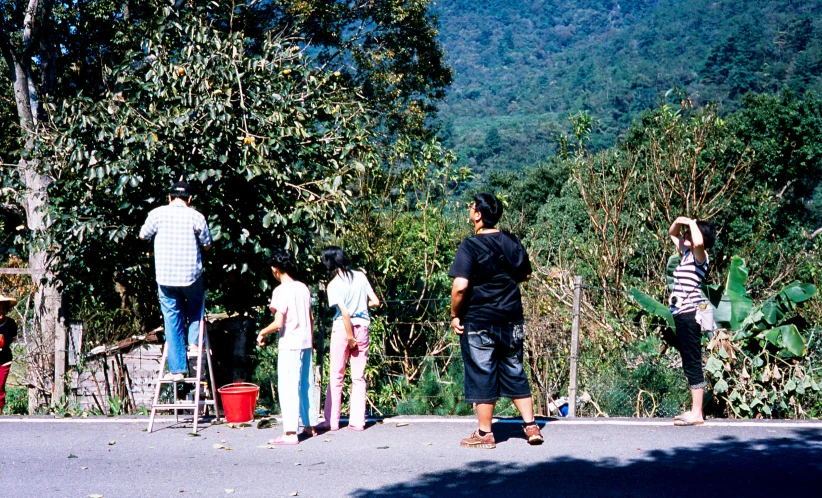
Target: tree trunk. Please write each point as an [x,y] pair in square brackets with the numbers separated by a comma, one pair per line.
[49,324]
[47,364]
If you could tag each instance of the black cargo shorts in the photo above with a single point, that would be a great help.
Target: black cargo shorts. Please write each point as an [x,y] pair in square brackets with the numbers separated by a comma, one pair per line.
[492,355]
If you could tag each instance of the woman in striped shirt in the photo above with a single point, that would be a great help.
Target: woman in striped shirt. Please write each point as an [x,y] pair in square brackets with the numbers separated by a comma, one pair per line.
[691,238]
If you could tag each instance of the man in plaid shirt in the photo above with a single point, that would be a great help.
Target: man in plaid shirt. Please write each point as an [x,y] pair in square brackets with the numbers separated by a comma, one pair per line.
[179,232]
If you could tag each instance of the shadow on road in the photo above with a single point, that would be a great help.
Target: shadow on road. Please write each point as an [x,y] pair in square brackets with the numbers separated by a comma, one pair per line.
[725,467]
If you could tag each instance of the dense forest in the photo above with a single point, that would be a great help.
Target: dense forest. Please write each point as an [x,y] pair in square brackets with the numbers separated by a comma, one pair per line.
[521,68]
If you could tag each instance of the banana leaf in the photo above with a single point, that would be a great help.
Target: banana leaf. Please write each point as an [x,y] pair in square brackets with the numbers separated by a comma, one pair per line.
[652,306]
[777,306]
[735,305]
[786,336]
[798,292]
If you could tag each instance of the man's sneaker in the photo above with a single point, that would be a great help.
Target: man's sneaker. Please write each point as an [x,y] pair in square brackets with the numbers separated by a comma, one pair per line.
[532,434]
[175,377]
[477,441]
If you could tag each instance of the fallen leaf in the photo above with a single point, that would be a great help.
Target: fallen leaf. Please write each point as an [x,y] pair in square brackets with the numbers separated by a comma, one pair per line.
[72,455]
[244,424]
[326,440]
[217,446]
[227,448]
[222,440]
[264,423]
[402,424]
[639,449]
[297,464]
[83,468]
[193,434]
[426,444]
[112,443]
[266,446]
[95,496]
[382,447]
[229,490]
[232,425]
[293,494]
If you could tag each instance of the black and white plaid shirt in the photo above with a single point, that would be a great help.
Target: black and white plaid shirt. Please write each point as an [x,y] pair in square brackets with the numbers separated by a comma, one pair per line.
[178,232]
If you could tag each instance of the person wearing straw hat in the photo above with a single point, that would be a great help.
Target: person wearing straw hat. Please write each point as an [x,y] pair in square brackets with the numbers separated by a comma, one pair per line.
[179,232]
[8,334]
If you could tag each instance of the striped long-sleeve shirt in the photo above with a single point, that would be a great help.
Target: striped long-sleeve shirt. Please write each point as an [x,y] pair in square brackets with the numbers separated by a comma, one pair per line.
[687,293]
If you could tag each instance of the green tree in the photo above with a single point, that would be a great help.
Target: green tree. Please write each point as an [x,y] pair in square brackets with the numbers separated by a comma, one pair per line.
[390,69]
[278,132]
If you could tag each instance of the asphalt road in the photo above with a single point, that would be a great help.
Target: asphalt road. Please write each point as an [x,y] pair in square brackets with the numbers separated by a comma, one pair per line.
[45,458]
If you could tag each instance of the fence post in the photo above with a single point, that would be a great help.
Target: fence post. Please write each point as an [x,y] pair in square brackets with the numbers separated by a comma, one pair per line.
[572,381]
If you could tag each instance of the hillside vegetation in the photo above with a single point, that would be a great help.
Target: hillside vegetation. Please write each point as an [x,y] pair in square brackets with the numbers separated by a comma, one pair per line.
[521,68]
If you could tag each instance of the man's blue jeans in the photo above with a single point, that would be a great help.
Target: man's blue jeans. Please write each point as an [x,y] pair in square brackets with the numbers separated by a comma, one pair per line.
[181,305]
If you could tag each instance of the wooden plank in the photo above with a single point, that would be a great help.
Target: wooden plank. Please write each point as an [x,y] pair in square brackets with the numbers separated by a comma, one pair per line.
[19,271]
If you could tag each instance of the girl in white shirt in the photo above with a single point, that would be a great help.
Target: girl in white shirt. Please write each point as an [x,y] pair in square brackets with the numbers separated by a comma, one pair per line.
[351,294]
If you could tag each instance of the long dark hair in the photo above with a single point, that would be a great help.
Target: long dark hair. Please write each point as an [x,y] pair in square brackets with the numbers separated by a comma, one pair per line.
[334,258]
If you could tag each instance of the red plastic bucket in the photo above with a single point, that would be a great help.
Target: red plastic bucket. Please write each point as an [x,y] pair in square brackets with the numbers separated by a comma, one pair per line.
[239,400]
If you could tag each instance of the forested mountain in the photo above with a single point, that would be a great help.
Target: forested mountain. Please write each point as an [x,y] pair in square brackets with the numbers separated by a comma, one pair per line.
[522,67]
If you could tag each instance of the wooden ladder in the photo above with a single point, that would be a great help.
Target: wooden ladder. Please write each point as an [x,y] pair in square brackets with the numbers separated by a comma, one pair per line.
[198,405]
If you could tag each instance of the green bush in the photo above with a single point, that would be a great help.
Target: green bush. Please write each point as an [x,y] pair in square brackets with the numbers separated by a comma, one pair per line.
[17,401]
[437,392]
[635,381]
[265,376]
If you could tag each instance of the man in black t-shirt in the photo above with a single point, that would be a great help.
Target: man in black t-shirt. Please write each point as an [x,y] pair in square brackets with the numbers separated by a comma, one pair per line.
[486,312]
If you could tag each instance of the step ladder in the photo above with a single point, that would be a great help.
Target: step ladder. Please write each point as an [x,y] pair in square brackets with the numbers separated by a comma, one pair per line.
[198,406]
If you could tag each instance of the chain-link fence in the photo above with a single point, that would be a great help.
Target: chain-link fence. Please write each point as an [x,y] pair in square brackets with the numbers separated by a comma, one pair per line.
[630,377]
[415,364]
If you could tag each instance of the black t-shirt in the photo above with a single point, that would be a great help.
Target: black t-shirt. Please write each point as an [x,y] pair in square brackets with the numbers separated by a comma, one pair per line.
[494,264]
[8,330]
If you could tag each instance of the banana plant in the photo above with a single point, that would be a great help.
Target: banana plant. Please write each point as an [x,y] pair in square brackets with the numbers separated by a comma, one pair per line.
[735,311]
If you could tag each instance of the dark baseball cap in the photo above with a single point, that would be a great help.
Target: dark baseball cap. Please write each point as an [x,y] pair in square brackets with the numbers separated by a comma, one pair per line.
[181,188]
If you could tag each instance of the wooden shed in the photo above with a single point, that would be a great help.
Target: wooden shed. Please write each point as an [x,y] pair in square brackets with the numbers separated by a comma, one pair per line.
[120,378]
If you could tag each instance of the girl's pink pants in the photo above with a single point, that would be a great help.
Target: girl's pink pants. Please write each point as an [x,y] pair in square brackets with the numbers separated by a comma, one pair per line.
[338,354]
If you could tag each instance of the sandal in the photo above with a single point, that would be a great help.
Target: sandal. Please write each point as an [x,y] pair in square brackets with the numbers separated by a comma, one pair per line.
[325,427]
[687,421]
[308,432]
[285,441]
